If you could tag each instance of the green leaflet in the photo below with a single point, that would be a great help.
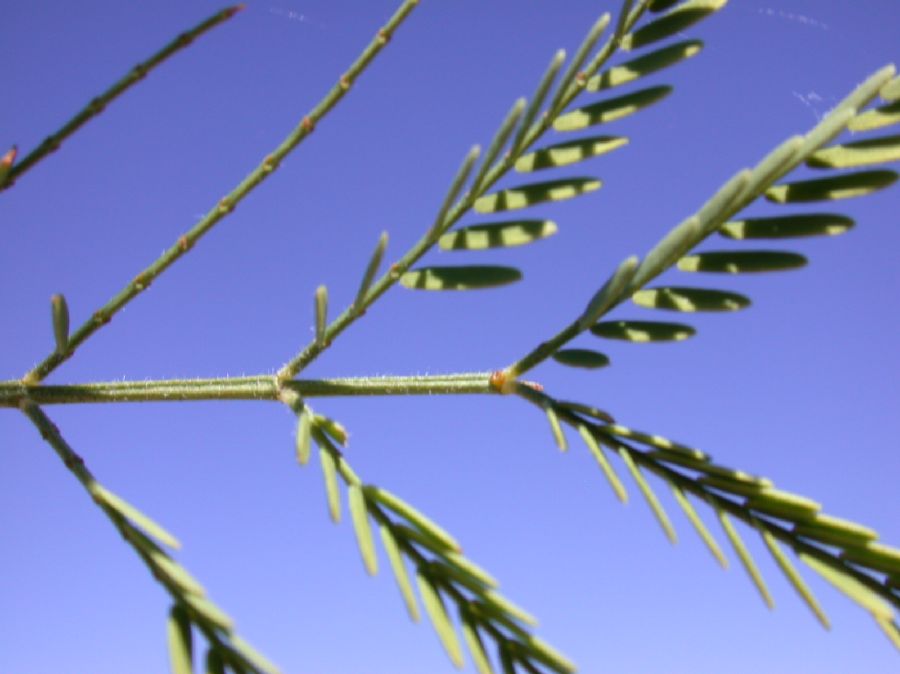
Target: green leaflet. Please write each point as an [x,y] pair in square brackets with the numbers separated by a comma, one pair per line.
[791,574]
[683,16]
[329,472]
[699,526]
[540,650]
[734,480]
[60,316]
[891,91]
[581,358]
[689,299]
[649,496]
[180,640]
[784,504]
[214,663]
[399,568]
[875,556]
[321,313]
[252,657]
[302,440]
[106,498]
[176,574]
[413,516]
[876,118]
[835,531]
[741,261]
[610,474]
[497,235]
[643,331]
[787,226]
[361,526]
[610,293]
[497,603]
[471,277]
[587,410]
[744,555]
[570,152]
[849,586]
[742,484]
[371,269]
[207,612]
[434,606]
[661,5]
[861,153]
[469,568]
[474,643]
[458,575]
[890,629]
[644,65]
[611,109]
[657,441]
[843,186]
[558,435]
[524,196]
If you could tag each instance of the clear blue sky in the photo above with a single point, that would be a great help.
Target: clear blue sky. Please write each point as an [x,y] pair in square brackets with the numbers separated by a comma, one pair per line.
[801,388]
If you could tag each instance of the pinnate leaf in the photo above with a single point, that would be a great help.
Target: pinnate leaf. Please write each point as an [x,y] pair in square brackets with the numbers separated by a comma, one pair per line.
[472,277]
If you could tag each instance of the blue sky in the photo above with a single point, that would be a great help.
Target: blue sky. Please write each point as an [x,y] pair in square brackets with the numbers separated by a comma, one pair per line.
[801,388]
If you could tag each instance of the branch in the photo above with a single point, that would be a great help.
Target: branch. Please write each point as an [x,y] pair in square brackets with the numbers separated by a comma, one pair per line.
[228,203]
[98,104]
[261,387]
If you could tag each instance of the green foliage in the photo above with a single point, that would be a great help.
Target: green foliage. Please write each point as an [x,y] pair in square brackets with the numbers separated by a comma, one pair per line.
[496,631]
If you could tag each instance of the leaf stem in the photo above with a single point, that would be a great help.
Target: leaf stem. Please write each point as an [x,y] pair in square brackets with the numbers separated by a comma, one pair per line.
[228,203]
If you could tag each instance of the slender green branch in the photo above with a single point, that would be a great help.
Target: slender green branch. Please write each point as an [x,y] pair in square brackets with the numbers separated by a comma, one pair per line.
[228,203]
[262,387]
[461,208]
[98,104]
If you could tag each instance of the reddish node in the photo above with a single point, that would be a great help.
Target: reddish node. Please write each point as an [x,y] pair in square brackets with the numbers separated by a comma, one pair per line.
[307,125]
[383,36]
[183,243]
[497,380]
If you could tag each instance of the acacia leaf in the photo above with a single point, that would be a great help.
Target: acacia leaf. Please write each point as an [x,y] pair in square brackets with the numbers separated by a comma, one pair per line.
[746,559]
[674,298]
[787,226]
[360,515]
[849,586]
[413,516]
[784,504]
[644,65]
[497,235]
[876,118]
[471,277]
[399,568]
[835,531]
[860,153]
[675,21]
[843,186]
[180,641]
[611,109]
[434,606]
[649,495]
[643,331]
[610,474]
[107,498]
[524,196]
[701,529]
[741,261]
[584,358]
[329,472]
[570,152]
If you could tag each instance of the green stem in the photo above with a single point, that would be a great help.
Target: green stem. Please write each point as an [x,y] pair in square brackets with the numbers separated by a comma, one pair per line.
[98,104]
[228,203]
[262,387]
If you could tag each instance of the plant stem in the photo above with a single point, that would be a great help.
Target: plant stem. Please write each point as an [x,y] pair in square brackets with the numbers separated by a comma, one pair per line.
[98,104]
[262,387]
[228,203]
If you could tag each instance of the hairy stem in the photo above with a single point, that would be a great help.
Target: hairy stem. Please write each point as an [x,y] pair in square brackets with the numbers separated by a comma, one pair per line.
[261,387]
